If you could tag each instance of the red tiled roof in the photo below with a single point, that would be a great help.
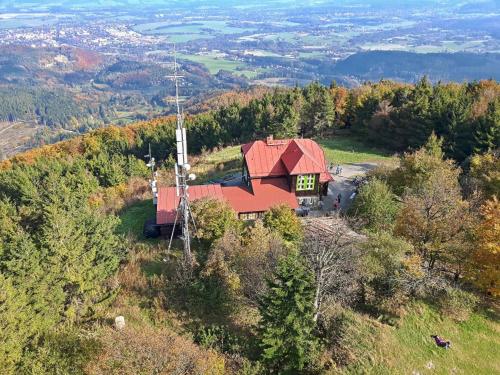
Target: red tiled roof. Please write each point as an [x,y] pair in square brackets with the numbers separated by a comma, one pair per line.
[301,157]
[285,157]
[266,194]
[263,160]
[168,201]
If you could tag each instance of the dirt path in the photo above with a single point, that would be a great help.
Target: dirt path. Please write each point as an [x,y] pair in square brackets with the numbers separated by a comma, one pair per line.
[7,128]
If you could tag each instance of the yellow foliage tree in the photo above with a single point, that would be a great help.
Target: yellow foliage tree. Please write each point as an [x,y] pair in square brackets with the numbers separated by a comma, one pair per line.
[485,271]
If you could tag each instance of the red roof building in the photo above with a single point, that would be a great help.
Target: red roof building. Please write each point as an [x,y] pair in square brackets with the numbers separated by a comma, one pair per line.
[168,201]
[290,171]
[288,157]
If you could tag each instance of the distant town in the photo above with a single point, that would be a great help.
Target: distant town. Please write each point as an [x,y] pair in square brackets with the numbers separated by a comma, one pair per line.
[91,65]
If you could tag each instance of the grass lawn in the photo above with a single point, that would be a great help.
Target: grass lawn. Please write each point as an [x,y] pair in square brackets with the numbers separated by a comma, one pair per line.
[134,216]
[221,156]
[344,150]
[341,149]
[409,349]
[217,164]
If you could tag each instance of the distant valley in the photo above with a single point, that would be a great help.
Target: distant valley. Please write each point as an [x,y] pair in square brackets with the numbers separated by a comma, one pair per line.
[68,67]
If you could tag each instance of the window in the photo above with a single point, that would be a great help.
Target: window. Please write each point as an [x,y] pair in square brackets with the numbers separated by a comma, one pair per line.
[251,215]
[245,172]
[305,182]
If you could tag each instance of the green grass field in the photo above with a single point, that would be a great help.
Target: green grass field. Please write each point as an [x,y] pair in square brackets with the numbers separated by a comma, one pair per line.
[409,349]
[218,164]
[133,218]
[213,63]
[343,150]
[340,149]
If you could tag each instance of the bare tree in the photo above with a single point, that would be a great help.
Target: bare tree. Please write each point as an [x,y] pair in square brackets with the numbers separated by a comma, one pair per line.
[331,252]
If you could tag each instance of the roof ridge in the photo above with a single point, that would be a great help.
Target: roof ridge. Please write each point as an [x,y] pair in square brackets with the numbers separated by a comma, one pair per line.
[305,152]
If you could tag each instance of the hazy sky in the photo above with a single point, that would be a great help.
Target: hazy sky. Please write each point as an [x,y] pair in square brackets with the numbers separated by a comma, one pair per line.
[111,3]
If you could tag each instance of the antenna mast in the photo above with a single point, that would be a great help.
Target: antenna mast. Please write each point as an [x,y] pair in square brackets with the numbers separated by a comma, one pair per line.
[153,183]
[182,175]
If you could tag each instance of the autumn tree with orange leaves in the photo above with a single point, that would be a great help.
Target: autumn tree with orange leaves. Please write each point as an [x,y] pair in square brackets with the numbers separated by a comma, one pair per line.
[485,270]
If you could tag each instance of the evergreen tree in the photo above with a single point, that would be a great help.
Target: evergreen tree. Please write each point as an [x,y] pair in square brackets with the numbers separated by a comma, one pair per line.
[318,113]
[287,310]
[487,129]
[16,325]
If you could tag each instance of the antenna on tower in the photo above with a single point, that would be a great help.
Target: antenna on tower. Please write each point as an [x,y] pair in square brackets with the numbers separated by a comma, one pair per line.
[182,175]
[153,183]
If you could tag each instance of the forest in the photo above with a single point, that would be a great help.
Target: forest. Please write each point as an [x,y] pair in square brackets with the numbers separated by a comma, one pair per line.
[271,296]
[407,66]
[48,107]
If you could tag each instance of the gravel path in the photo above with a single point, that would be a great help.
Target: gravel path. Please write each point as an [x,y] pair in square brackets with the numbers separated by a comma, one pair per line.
[343,183]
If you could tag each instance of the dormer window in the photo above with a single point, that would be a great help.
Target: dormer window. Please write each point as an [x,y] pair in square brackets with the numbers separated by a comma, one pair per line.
[305,182]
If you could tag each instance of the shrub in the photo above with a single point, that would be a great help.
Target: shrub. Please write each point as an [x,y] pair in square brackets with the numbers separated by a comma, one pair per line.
[218,288]
[457,304]
[388,272]
[376,205]
[347,336]
[250,368]
[282,220]
[65,352]
[148,350]
[217,337]
[213,218]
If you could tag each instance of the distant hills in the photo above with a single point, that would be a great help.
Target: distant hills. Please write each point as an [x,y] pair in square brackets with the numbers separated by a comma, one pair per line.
[409,66]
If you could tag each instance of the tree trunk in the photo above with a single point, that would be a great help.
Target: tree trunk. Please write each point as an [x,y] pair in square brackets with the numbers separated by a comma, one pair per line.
[317,295]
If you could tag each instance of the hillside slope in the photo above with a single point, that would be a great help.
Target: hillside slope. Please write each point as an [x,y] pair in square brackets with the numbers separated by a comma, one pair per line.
[409,66]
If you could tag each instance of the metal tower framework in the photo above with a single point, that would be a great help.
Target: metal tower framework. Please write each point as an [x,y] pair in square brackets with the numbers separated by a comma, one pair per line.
[182,176]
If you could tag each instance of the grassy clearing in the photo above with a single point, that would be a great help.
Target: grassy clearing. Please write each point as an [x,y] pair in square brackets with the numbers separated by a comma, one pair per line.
[340,149]
[134,216]
[344,150]
[409,348]
[217,164]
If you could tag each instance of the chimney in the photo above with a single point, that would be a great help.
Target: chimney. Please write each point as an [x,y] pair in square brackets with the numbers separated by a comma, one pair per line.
[269,140]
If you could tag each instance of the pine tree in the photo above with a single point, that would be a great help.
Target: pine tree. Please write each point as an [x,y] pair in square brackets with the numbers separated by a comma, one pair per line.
[287,324]
[16,326]
[487,129]
[413,117]
[318,113]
